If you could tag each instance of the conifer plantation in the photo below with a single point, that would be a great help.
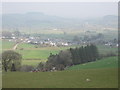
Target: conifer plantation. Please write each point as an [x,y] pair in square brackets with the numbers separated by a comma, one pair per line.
[85,54]
[73,56]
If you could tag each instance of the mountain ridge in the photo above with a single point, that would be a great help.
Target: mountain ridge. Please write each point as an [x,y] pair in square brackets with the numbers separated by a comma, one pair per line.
[41,20]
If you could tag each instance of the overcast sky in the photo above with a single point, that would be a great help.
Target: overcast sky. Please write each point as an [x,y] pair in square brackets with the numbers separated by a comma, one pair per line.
[74,10]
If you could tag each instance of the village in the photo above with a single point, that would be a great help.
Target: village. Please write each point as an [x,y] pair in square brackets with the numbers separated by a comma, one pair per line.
[17,37]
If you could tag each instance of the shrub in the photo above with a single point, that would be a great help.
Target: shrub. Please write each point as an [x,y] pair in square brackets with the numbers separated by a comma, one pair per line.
[26,68]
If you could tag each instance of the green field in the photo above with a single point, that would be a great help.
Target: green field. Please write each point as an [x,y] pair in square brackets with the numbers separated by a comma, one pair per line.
[30,52]
[5,44]
[102,74]
[100,78]
[107,49]
[36,54]
[25,46]
[111,62]
[32,62]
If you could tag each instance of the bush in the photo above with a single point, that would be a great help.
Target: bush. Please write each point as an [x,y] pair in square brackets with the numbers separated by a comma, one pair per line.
[21,48]
[26,68]
[36,46]
[40,66]
[60,67]
[64,58]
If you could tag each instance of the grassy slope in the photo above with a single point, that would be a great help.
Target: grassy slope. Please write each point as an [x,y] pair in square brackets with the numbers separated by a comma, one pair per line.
[100,78]
[101,74]
[111,62]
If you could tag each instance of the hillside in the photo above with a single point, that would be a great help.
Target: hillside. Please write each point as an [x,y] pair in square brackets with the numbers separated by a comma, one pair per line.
[37,20]
[111,62]
[101,74]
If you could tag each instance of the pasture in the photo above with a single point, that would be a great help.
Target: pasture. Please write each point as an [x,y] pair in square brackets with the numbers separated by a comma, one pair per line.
[30,52]
[101,74]
[32,62]
[36,54]
[26,46]
[5,44]
[44,52]
[111,62]
[99,78]
[107,49]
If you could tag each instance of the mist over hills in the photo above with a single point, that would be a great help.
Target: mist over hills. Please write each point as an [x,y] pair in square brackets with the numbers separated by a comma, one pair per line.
[37,20]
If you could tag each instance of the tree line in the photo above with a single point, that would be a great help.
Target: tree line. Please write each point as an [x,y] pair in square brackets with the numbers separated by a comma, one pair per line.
[84,54]
[12,60]
[72,56]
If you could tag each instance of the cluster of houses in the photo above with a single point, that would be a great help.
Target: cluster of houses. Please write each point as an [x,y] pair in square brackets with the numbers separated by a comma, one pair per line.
[49,41]
[45,42]
[111,44]
[37,41]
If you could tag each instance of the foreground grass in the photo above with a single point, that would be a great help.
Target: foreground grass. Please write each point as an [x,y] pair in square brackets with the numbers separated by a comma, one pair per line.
[100,78]
[102,74]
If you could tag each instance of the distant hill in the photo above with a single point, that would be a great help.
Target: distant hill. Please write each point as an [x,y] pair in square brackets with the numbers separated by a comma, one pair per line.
[42,21]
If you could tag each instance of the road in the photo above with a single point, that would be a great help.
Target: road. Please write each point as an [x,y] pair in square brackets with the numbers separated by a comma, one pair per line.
[15,47]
